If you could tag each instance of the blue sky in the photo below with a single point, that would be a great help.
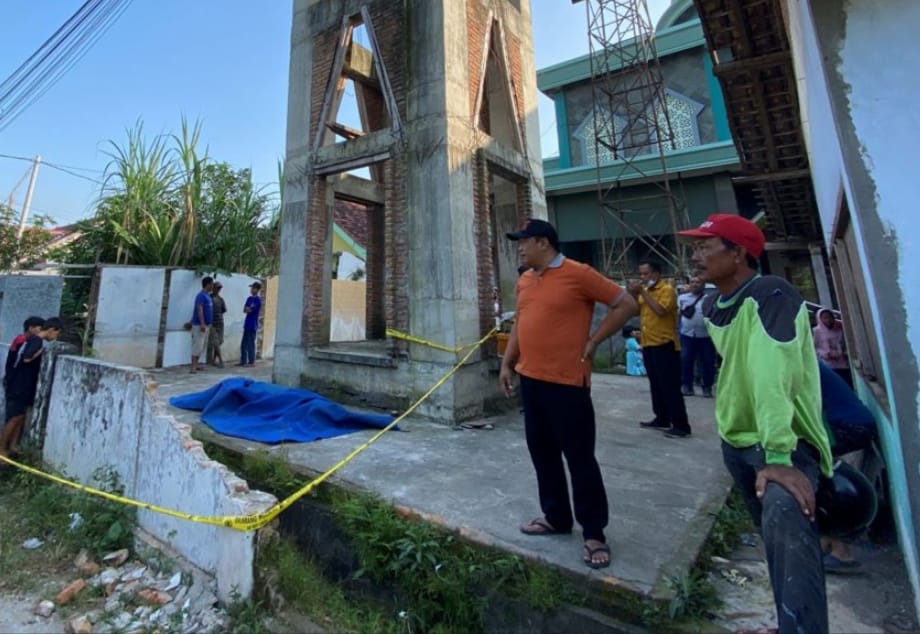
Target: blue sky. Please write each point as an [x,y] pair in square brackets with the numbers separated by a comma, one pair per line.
[222,61]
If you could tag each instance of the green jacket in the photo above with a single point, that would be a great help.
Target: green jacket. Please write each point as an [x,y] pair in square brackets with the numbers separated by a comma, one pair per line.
[769,391]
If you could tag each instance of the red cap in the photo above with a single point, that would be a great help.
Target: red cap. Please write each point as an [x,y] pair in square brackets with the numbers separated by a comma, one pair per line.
[731,227]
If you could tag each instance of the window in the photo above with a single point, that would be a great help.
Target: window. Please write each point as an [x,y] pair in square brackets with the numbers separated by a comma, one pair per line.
[682,111]
[859,329]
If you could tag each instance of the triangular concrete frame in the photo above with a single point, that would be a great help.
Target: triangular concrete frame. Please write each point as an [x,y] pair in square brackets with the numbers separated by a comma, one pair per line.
[495,26]
[330,105]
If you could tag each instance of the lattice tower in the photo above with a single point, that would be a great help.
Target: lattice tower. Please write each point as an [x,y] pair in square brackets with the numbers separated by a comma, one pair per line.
[631,122]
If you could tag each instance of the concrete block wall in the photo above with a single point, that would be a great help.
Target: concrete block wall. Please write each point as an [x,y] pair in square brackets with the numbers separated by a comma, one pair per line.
[22,296]
[101,415]
[129,325]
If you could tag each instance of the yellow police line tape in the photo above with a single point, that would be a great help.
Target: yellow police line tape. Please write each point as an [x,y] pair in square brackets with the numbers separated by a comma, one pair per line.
[431,344]
[253,522]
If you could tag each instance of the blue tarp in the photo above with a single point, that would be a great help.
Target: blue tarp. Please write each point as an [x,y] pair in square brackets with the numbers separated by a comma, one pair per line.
[254,410]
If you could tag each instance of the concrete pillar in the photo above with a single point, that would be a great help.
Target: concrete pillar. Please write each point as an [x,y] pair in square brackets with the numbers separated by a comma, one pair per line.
[820,271]
[437,230]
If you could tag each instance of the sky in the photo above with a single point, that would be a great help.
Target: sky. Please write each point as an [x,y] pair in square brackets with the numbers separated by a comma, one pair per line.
[223,62]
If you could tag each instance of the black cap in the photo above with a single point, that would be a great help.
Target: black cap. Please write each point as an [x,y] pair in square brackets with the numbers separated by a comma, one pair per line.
[256,285]
[535,228]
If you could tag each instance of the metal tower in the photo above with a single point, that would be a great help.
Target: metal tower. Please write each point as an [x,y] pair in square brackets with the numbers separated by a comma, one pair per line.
[631,122]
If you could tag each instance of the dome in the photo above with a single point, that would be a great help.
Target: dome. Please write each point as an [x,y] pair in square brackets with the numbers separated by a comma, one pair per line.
[680,12]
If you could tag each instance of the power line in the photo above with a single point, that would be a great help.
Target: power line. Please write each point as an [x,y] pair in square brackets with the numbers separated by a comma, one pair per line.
[56,56]
[67,169]
[61,168]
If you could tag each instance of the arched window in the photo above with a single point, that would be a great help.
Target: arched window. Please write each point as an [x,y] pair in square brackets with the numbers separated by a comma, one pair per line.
[585,134]
[683,113]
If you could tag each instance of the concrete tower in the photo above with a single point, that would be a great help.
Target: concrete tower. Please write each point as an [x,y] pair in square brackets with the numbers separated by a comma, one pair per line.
[420,118]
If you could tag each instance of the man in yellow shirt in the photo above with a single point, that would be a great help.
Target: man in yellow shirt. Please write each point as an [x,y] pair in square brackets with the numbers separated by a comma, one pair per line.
[661,349]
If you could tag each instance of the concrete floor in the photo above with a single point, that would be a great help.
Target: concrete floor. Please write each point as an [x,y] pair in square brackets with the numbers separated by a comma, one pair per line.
[662,491]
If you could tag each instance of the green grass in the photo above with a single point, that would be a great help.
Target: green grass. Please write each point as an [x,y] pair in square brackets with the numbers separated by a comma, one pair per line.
[302,583]
[37,508]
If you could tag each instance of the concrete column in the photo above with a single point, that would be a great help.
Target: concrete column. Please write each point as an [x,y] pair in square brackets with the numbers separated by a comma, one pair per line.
[289,339]
[725,194]
[820,272]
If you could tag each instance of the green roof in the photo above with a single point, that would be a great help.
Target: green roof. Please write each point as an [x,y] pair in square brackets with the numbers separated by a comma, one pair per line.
[684,161]
[684,36]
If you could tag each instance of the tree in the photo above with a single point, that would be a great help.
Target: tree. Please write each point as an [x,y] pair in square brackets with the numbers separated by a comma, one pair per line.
[21,253]
[165,203]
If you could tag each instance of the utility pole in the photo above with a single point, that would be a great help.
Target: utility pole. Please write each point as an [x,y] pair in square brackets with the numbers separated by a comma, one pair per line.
[28,202]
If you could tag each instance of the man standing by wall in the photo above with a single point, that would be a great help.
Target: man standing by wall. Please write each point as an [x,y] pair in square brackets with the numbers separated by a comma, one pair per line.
[551,347]
[695,344]
[768,410]
[202,315]
[252,308]
[216,335]
[660,349]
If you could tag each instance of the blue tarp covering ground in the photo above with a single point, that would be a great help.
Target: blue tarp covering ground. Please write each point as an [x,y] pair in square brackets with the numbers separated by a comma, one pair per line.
[254,410]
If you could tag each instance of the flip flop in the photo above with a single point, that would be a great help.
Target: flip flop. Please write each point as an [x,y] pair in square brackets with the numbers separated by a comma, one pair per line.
[835,565]
[590,552]
[539,526]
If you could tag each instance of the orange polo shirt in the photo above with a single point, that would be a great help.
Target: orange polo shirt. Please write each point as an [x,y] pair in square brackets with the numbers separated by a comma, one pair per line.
[657,329]
[554,312]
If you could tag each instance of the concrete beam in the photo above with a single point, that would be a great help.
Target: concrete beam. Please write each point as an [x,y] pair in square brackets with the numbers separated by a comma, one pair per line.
[357,189]
[359,67]
[341,157]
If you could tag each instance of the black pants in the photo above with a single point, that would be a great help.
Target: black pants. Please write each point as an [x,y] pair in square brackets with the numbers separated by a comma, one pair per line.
[662,363]
[693,351]
[791,540]
[559,421]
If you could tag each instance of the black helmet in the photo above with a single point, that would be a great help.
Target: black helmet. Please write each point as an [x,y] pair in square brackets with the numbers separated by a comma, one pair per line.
[846,503]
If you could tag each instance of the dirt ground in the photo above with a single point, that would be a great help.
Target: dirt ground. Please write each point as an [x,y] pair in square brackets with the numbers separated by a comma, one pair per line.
[16,615]
[877,599]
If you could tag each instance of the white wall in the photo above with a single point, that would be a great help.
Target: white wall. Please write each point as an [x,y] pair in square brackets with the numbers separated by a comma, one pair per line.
[183,286]
[128,315]
[100,415]
[860,99]
[128,312]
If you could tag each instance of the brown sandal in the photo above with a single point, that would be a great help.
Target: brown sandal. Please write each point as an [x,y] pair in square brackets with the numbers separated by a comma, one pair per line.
[539,526]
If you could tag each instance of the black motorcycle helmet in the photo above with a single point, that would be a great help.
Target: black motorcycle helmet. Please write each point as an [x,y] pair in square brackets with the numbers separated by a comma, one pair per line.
[846,503]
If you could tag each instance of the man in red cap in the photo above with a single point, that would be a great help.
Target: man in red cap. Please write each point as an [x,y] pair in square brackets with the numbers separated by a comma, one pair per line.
[768,410]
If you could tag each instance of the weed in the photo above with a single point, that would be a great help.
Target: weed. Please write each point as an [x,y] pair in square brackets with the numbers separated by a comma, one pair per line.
[444,581]
[74,519]
[303,585]
[272,472]
[730,523]
[694,596]
[247,616]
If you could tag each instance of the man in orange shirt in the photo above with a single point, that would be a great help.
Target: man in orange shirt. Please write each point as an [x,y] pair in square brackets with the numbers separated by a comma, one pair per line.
[661,350]
[551,347]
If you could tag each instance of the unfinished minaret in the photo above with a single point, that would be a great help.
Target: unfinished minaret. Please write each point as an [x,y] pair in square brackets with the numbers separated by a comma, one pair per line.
[413,145]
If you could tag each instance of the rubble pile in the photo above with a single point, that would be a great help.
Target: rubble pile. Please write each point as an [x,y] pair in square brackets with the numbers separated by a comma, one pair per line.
[136,598]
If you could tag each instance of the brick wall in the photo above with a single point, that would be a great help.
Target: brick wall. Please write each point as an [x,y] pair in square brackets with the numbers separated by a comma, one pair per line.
[476,28]
[483,234]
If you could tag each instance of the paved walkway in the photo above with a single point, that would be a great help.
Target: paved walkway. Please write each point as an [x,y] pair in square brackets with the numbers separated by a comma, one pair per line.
[662,491]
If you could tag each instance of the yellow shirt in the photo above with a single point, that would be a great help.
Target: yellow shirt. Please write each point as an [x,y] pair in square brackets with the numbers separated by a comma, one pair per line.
[659,329]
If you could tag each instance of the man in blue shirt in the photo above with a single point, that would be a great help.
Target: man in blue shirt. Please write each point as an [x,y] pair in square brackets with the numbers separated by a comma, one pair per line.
[202,316]
[695,344]
[252,308]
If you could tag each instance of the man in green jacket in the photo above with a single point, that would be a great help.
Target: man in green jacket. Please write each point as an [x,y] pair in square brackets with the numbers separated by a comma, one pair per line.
[768,410]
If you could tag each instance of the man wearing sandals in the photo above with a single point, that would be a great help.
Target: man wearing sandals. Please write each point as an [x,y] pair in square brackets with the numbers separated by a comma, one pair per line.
[551,347]
[768,410]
